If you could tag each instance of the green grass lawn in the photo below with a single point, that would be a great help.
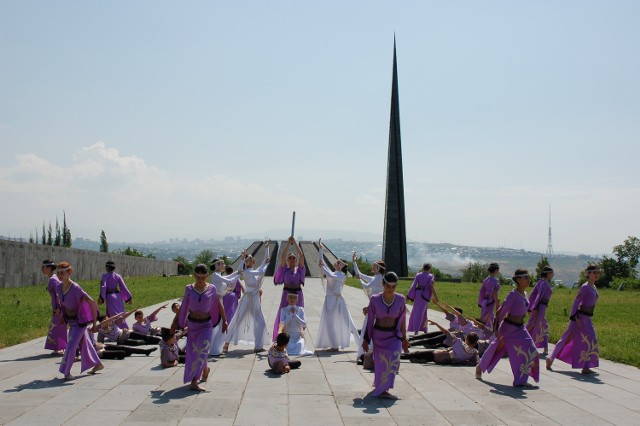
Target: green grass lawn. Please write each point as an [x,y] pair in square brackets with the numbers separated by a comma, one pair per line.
[25,312]
[616,319]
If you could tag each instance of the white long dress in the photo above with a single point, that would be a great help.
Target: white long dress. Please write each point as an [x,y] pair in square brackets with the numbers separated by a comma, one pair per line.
[248,326]
[336,324]
[371,286]
[294,324]
[223,286]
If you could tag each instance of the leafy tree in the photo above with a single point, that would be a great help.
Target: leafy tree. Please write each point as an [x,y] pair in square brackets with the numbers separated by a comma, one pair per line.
[437,273]
[134,252]
[50,235]
[541,264]
[205,256]
[475,272]
[66,232]
[104,245]
[57,241]
[184,266]
[629,253]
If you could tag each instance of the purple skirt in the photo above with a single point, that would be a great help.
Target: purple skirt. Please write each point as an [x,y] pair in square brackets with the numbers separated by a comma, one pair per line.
[578,345]
[386,360]
[539,328]
[198,345]
[57,335]
[79,339]
[418,317]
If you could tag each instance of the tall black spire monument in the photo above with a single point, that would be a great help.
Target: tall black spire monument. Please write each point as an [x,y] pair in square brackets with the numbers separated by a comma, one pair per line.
[394,244]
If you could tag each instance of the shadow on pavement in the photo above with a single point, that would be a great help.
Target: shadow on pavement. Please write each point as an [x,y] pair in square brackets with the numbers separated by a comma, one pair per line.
[371,404]
[40,384]
[587,378]
[165,397]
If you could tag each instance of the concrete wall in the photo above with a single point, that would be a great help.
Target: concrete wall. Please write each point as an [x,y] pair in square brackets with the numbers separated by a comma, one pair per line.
[20,263]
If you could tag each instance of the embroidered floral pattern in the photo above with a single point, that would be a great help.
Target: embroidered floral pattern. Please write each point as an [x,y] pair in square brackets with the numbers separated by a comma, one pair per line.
[591,350]
[542,333]
[391,365]
[200,354]
[529,359]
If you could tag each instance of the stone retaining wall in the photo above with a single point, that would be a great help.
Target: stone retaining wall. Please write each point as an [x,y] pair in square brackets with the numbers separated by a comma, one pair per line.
[20,263]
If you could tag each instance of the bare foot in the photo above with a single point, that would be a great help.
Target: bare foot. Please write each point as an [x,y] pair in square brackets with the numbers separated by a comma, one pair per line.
[205,374]
[387,395]
[194,386]
[69,377]
[225,348]
[97,368]
[478,372]
[549,362]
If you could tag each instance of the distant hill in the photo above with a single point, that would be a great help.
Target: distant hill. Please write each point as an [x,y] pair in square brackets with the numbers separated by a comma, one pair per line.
[449,258]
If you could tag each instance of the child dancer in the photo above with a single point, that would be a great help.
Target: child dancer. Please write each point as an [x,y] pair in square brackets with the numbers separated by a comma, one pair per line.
[294,323]
[143,325]
[278,358]
[57,335]
[290,273]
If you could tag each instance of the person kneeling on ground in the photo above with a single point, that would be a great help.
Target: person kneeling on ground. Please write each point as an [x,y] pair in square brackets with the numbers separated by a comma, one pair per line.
[459,352]
[278,358]
[170,354]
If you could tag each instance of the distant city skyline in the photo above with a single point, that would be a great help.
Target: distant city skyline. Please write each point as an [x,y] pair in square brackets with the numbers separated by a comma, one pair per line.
[156,120]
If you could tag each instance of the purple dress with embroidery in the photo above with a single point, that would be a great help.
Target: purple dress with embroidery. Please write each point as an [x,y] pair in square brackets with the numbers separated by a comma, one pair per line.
[77,313]
[146,327]
[515,341]
[538,325]
[199,336]
[578,345]
[57,335]
[420,293]
[293,281]
[486,302]
[384,328]
[114,292]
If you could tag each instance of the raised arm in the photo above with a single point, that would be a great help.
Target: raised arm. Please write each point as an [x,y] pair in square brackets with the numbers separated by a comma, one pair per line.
[154,313]
[444,330]
[298,250]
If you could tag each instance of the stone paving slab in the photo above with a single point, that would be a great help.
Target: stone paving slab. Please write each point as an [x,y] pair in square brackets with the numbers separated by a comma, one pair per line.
[328,389]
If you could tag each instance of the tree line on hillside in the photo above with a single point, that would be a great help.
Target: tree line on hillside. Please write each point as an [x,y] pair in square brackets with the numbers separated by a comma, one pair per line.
[61,237]
[618,271]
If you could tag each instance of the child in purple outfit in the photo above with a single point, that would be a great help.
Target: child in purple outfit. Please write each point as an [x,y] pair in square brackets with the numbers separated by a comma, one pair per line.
[57,335]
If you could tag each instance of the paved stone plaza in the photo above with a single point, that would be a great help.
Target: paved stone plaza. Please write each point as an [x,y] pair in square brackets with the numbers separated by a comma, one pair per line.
[329,389]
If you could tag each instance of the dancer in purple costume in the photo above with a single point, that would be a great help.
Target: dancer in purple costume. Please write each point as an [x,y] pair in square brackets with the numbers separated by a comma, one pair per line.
[512,337]
[538,302]
[488,296]
[578,345]
[143,325]
[230,300]
[114,291]
[201,310]
[386,327]
[57,335]
[420,293]
[78,309]
[291,273]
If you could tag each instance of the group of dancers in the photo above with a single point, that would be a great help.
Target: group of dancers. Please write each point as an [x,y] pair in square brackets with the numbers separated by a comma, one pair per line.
[222,307]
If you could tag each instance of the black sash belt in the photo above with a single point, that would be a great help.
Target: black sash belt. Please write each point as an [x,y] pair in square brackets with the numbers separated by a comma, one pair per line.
[514,323]
[198,320]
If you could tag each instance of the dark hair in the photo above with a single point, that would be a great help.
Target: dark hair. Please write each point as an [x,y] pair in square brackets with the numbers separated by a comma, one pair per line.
[546,271]
[110,265]
[426,266]
[173,305]
[519,273]
[593,268]
[458,309]
[213,263]
[282,339]
[493,267]
[228,270]
[49,264]
[166,334]
[345,266]
[472,339]
[136,313]
[101,317]
[201,268]
[390,277]
[382,267]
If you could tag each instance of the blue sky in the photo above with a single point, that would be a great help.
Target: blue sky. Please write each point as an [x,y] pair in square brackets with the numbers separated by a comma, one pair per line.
[155,120]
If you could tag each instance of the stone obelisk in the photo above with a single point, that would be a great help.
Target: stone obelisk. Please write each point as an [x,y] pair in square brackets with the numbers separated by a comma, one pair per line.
[394,244]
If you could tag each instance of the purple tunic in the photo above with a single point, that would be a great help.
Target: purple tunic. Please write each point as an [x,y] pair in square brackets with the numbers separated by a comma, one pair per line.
[199,335]
[538,325]
[515,341]
[57,335]
[486,301]
[578,345]
[145,327]
[293,281]
[114,292]
[384,328]
[420,293]
[77,314]
[230,301]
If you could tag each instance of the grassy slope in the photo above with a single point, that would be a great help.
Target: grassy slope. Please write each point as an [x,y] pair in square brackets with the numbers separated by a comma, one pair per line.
[616,318]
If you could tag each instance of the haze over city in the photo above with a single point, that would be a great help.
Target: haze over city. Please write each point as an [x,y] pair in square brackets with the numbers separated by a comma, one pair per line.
[160,120]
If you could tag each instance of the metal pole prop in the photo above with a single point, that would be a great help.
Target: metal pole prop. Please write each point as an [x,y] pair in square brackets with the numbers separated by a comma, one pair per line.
[293,224]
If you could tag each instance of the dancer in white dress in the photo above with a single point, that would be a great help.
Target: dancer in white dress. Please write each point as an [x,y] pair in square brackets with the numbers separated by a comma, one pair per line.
[372,286]
[294,323]
[248,325]
[223,284]
[336,324]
